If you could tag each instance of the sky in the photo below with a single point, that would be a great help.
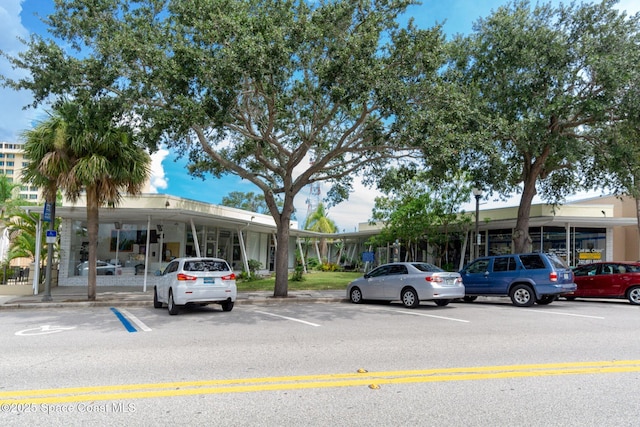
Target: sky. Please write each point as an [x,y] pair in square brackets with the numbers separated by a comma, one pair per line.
[18,19]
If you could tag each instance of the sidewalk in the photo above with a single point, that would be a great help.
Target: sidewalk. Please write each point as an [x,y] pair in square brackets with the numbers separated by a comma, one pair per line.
[128,296]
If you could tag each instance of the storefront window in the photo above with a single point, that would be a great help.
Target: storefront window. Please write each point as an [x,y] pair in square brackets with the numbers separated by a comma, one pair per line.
[499,242]
[589,245]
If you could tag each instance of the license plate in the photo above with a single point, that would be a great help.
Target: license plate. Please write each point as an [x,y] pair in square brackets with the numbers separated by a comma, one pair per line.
[209,280]
[566,276]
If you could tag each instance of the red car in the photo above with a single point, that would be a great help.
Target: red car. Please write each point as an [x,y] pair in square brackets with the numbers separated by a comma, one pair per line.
[608,280]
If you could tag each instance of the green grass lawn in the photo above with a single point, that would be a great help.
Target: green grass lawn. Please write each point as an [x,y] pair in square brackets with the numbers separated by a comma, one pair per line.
[315,280]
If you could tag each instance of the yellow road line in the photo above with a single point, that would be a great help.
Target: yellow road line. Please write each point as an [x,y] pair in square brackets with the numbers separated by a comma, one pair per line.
[245,385]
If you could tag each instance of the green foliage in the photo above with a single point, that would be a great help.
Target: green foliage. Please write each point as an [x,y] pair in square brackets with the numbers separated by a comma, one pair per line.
[330,266]
[298,269]
[247,201]
[22,228]
[419,210]
[84,148]
[313,263]
[254,266]
[547,83]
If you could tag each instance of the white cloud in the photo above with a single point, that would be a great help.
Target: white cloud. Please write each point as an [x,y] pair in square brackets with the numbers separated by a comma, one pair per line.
[158,179]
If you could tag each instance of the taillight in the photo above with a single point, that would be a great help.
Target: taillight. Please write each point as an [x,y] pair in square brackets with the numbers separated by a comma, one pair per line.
[182,276]
[553,276]
[231,276]
[436,279]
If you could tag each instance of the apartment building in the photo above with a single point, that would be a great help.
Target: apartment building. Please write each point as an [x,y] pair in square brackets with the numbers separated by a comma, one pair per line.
[12,162]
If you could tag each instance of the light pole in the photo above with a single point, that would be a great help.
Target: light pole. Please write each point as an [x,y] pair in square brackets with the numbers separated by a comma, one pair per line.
[117,225]
[477,193]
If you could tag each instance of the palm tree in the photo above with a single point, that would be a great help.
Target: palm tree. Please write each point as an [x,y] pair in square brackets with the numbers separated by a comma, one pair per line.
[88,152]
[319,222]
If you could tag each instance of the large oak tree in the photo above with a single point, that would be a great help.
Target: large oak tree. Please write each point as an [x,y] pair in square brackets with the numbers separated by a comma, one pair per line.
[548,83]
[280,93]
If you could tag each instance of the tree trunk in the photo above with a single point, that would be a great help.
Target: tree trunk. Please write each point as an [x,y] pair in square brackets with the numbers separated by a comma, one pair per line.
[282,260]
[92,231]
[521,238]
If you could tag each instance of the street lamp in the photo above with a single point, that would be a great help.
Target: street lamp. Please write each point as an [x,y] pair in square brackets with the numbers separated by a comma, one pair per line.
[477,193]
[117,226]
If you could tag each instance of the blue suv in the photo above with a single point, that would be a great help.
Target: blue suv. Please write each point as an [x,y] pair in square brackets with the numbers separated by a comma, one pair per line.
[525,278]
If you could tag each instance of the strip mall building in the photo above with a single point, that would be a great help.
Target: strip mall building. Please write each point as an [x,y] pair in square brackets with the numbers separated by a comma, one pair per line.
[145,232]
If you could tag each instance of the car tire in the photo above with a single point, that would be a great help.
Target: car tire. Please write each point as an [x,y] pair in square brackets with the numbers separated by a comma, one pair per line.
[156,303]
[227,305]
[469,298]
[546,299]
[522,296]
[633,295]
[355,296]
[409,298]
[442,302]
[171,305]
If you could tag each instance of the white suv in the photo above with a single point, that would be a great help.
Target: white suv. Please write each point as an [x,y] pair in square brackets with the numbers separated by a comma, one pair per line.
[198,281]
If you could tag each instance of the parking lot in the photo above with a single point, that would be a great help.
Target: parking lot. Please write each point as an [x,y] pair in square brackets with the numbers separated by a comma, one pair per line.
[481,363]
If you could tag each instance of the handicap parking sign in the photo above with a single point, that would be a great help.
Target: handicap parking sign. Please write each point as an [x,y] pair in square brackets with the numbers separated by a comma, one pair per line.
[52,235]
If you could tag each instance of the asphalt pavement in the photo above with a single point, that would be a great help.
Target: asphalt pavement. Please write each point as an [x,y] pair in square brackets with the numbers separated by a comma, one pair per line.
[76,296]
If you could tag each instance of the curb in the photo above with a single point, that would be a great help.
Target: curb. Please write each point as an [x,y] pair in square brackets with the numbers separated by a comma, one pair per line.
[121,303]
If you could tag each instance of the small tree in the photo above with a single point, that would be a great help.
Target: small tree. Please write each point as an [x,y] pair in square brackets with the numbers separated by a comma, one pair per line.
[419,212]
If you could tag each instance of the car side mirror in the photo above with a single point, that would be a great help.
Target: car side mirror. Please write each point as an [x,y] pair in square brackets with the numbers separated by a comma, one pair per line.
[366,276]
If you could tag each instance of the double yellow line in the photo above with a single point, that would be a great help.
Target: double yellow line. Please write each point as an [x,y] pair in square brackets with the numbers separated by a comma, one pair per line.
[360,378]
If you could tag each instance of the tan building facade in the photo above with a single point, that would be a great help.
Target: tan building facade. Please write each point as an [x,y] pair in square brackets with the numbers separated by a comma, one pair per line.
[12,162]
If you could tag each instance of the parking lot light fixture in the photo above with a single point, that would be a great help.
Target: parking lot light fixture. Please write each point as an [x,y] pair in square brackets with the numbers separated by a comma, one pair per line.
[477,193]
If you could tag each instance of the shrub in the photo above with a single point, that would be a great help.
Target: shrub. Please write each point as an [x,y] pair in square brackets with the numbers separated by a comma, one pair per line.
[252,274]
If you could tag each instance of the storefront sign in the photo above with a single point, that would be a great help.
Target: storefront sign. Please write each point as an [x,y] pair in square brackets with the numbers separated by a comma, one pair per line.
[590,254]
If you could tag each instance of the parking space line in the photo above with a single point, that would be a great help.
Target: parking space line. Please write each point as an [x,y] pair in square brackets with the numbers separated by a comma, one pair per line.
[288,318]
[137,321]
[568,314]
[417,313]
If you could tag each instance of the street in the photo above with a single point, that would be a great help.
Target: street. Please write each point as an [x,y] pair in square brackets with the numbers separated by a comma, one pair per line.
[483,364]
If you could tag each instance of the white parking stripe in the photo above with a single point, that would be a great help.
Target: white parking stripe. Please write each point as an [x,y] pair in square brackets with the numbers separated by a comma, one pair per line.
[417,313]
[288,318]
[567,314]
[135,320]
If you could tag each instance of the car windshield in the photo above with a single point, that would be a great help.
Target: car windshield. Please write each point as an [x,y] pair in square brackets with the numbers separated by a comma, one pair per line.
[426,267]
[205,265]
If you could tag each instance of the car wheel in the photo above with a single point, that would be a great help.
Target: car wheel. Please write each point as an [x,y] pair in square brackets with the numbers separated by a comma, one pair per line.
[633,294]
[156,303]
[442,302]
[355,296]
[546,299]
[469,298]
[522,296]
[410,298]
[227,305]
[171,305]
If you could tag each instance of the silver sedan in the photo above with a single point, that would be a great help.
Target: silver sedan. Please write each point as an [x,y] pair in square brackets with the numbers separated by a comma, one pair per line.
[409,282]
